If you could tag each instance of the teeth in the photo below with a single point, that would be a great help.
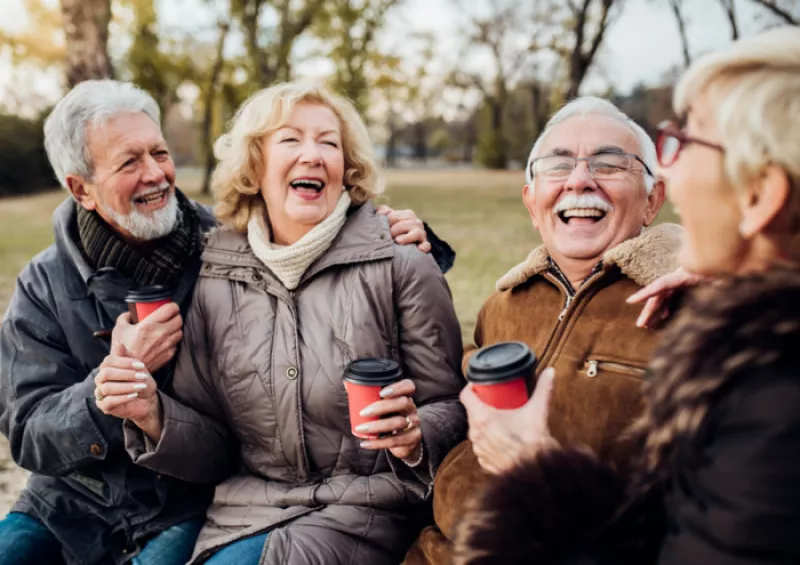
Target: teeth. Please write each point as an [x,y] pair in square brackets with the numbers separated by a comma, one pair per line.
[307,183]
[583,213]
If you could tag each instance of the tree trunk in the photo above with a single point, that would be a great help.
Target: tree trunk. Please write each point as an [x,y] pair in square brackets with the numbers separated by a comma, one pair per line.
[679,19]
[86,29]
[581,58]
[730,11]
[208,114]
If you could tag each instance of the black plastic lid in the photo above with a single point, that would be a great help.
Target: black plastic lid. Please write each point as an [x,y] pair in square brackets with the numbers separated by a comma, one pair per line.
[501,362]
[151,293]
[373,371]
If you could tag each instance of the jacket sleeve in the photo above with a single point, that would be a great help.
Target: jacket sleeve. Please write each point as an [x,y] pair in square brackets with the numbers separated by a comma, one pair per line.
[195,444]
[430,349]
[741,504]
[442,253]
[47,406]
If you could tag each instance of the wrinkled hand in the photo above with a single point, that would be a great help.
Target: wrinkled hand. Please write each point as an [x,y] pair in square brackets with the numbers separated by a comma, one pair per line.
[396,410]
[503,438]
[153,341]
[406,227]
[124,388]
[657,295]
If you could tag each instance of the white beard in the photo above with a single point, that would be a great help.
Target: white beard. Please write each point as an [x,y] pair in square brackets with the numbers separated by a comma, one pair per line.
[146,227]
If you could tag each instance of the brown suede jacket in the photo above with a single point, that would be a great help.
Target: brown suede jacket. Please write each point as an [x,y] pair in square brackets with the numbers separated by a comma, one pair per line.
[590,339]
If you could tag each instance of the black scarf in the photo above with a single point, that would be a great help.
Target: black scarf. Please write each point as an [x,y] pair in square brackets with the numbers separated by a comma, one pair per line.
[160,261]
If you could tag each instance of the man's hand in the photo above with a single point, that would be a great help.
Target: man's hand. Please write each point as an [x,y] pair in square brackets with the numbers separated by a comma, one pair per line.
[123,388]
[503,438]
[153,341]
[657,295]
[406,228]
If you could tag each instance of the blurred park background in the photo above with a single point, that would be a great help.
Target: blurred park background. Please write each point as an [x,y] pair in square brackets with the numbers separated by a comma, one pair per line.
[454,91]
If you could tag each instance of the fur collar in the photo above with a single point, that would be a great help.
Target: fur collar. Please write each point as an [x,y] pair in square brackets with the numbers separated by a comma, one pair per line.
[726,331]
[642,259]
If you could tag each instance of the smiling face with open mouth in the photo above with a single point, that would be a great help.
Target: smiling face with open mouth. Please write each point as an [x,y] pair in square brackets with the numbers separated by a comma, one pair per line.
[303,171]
[581,217]
[133,185]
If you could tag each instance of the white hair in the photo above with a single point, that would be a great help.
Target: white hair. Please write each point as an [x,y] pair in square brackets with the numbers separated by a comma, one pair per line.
[593,106]
[89,103]
[753,90]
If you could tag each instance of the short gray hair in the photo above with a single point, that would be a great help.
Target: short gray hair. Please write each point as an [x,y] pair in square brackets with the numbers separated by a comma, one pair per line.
[591,106]
[89,103]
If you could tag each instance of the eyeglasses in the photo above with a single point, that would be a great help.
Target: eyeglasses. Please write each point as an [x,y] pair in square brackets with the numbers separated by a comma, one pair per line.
[603,166]
[670,141]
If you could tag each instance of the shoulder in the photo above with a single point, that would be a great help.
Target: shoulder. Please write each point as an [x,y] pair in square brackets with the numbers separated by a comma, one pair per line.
[410,262]
[36,278]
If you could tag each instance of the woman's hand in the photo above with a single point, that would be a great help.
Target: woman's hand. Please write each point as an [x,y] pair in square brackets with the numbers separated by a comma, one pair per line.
[657,295]
[399,421]
[406,227]
[503,438]
[124,388]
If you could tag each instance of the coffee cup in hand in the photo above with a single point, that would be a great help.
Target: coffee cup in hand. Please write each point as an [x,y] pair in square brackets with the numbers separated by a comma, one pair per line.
[500,374]
[363,380]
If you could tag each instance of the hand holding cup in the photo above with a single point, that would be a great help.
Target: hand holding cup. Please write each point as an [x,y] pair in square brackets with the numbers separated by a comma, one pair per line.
[396,423]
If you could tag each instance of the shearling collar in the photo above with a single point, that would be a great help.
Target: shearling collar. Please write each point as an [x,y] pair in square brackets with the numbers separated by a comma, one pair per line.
[642,259]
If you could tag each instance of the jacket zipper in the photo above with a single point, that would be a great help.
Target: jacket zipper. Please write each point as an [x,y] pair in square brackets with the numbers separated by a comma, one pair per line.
[570,300]
[593,366]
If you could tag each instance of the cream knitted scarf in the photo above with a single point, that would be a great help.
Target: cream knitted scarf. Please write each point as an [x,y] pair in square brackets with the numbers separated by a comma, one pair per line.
[288,263]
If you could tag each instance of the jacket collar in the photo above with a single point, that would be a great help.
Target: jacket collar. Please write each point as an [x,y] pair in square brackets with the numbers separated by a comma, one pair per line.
[88,279]
[364,237]
[642,259]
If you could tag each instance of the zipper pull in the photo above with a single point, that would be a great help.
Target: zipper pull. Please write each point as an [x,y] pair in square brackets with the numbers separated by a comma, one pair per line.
[591,370]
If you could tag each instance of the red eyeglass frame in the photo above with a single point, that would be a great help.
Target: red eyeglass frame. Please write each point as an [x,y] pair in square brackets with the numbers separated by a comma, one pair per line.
[670,129]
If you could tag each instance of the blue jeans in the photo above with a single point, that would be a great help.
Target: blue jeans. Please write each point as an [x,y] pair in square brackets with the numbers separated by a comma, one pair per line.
[243,552]
[173,546]
[26,541]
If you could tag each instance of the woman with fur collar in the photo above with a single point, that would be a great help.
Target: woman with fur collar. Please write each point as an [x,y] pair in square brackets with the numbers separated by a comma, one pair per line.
[717,482]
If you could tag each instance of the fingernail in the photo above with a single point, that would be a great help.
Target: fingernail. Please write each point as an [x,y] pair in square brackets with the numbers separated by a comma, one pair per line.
[141,376]
[386,392]
[366,444]
[139,386]
[138,365]
[366,411]
[362,428]
[133,395]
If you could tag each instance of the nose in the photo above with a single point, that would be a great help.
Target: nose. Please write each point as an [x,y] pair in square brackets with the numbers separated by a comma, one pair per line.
[581,178]
[153,173]
[310,153]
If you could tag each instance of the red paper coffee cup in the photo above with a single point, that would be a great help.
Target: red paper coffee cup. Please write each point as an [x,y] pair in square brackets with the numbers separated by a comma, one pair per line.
[363,381]
[145,300]
[500,374]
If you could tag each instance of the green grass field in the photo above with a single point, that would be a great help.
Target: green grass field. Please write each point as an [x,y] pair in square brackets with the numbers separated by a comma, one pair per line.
[480,213]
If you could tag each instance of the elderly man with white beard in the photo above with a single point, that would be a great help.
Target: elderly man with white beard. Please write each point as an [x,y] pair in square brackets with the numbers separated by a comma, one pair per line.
[125,226]
[590,193]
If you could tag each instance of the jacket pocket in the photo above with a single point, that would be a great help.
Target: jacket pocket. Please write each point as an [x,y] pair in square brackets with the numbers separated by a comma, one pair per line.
[594,366]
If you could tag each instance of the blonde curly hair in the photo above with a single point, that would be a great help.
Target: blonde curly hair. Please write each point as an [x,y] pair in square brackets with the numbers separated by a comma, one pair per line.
[236,179]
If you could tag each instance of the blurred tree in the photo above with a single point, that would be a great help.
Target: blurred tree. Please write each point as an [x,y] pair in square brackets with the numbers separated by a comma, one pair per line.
[351,28]
[585,24]
[730,12]
[86,31]
[41,43]
[269,48]
[209,95]
[786,10]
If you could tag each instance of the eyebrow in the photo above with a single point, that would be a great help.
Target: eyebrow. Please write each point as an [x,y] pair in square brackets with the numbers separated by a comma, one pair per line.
[559,152]
[319,134]
[609,149]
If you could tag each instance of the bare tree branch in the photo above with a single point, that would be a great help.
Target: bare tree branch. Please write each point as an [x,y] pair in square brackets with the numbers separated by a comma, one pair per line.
[773,7]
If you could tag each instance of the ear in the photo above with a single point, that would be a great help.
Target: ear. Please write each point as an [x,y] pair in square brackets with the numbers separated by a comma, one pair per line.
[655,200]
[79,188]
[764,200]
[529,198]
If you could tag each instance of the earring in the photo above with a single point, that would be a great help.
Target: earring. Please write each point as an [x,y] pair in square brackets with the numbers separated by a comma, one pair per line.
[742,229]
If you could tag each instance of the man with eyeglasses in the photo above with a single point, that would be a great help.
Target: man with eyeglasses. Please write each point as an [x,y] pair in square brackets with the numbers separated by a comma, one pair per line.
[590,193]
